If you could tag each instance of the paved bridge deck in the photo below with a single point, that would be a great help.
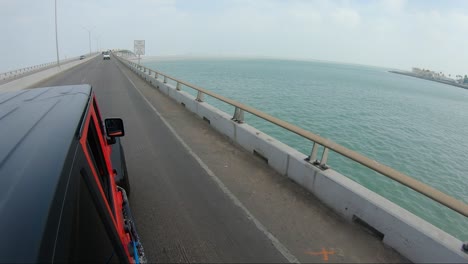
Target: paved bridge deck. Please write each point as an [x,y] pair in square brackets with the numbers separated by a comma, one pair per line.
[197,197]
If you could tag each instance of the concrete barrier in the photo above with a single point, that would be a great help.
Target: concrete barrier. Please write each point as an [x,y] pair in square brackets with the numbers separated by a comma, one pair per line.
[413,237]
[34,78]
[260,144]
[217,118]
[188,101]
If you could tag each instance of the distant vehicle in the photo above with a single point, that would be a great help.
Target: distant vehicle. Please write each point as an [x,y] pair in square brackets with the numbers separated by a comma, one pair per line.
[106,55]
[82,57]
[63,180]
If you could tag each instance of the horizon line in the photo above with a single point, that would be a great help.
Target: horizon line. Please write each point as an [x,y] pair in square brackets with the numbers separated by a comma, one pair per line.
[210,56]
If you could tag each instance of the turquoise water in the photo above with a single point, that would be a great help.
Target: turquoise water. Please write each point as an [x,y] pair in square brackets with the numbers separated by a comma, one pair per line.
[416,126]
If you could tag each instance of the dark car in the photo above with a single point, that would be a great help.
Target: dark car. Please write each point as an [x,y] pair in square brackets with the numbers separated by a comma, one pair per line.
[82,57]
[63,180]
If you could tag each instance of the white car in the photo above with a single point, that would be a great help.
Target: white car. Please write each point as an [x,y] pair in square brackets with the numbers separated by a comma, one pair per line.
[106,56]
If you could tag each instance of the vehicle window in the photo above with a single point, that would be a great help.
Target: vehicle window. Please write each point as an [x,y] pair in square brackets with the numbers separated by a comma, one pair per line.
[94,148]
[98,115]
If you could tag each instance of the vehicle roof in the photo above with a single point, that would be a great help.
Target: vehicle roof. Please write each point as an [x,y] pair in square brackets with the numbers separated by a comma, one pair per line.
[38,127]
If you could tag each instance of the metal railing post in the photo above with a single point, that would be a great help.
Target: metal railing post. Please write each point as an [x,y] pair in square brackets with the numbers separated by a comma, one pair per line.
[178,86]
[323,161]
[238,115]
[200,96]
[165,79]
[313,154]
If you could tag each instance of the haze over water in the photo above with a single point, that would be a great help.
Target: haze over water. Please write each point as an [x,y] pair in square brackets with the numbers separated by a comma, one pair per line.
[415,126]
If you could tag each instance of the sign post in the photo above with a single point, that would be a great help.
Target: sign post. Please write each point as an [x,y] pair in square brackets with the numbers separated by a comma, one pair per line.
[139,48]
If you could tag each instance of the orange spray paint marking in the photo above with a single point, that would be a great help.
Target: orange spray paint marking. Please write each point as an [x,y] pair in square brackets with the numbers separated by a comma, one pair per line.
[323,252]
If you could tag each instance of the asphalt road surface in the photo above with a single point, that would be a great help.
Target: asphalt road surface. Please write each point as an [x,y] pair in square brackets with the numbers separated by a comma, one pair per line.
[186,217]
[185,213]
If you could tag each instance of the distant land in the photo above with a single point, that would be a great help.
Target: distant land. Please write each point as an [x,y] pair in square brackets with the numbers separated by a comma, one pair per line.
[434,76]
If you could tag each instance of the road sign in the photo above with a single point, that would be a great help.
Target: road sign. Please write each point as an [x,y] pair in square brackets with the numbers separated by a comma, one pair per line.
[139,47]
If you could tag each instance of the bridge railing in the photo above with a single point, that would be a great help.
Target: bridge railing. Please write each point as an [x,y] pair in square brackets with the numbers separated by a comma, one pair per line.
[19,72]
[317,142]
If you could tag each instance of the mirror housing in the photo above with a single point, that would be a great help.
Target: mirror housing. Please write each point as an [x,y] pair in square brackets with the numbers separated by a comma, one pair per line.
[114,127]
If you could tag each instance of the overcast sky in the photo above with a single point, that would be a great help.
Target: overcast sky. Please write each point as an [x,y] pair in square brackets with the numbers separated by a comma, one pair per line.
[389,33]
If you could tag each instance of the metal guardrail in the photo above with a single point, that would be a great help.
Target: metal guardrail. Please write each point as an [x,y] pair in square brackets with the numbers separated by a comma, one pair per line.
[422,188]
[18,72]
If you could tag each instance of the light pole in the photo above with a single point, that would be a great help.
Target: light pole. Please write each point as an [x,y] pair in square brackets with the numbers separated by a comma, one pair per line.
[56,35]
[89,34]
[97,41]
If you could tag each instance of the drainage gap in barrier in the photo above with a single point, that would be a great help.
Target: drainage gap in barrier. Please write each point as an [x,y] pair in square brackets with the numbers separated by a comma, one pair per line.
[182,104]
[260,156]
[207,120]
[370,229]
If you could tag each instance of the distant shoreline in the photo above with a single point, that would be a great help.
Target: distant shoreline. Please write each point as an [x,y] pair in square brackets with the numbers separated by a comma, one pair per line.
[429,79]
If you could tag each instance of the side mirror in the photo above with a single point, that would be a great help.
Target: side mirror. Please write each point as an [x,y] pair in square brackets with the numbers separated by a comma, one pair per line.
[114,127]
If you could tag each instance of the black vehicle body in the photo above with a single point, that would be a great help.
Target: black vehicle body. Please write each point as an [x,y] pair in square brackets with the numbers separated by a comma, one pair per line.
[59,200]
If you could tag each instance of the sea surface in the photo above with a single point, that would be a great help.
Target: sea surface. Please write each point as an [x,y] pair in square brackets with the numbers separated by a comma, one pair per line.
[415,126]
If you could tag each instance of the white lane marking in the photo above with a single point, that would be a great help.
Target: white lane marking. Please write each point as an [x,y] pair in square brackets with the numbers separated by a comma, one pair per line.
[276,243]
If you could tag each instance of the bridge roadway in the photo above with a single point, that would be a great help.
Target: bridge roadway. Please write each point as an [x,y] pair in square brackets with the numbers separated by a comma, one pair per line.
[215,202]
